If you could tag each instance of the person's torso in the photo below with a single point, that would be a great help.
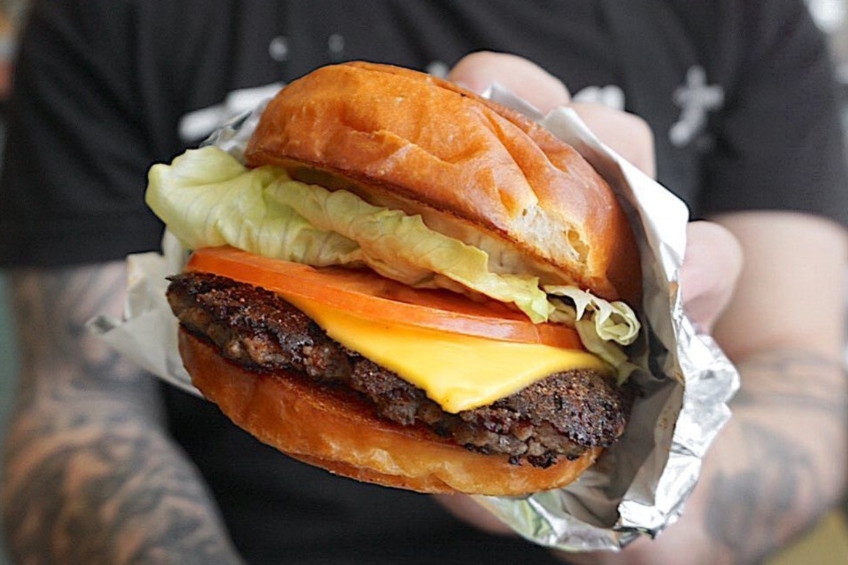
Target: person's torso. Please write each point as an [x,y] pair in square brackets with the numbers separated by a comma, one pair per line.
[272,504]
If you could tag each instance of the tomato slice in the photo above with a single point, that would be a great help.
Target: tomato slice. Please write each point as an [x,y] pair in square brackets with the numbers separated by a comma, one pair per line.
[367,295]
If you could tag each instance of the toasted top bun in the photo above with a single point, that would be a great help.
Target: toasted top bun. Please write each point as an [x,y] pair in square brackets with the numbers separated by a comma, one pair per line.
[473,169]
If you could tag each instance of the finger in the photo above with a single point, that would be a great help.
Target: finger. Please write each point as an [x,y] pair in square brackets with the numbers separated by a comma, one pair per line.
[625,133]
[478,71]
[709,273]
[467,509]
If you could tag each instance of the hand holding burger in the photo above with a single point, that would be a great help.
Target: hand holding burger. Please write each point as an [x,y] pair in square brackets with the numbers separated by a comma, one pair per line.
[407,285]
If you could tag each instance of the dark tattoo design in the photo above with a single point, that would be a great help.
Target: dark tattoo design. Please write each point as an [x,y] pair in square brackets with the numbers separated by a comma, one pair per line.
[90,476]
[785,437]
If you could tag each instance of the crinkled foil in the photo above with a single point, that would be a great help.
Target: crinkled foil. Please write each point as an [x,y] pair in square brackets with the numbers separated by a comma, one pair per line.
[639,486]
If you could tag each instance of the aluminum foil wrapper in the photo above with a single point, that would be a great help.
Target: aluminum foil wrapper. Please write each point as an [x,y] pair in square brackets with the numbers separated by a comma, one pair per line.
[640,485]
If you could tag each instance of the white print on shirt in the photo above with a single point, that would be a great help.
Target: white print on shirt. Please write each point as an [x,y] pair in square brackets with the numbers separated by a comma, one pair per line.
[335,47]
[278,49]
[437,69]
[611,96]
[695,98]
[200,123]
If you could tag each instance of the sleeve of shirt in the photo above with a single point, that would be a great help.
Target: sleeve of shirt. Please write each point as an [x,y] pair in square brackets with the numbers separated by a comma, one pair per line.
[779,143]
[80,136]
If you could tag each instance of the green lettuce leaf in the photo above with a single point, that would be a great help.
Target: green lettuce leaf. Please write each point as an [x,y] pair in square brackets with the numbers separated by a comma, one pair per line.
[207,198]
[613,321]
[403,248]
[604,327]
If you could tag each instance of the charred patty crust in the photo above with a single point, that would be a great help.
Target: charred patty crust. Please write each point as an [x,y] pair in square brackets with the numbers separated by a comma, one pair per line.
[559,416]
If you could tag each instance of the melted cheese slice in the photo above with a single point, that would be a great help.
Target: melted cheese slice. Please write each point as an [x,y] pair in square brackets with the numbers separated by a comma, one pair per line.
[456,371]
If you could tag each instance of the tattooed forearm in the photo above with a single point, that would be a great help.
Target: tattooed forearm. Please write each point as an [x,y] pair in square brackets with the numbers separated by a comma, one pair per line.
[90,477]
[782,460]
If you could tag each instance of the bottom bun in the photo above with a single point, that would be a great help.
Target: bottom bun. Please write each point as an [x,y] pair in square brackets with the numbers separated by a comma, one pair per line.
[336,430]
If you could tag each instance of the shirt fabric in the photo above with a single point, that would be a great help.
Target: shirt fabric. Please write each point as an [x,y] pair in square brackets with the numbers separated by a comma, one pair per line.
[738,94]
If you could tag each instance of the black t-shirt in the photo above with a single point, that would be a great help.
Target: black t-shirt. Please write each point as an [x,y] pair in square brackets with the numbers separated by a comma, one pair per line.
[737,92]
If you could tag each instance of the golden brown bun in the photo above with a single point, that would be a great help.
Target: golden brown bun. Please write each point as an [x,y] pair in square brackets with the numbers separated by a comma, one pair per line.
[337,431]
[473,169]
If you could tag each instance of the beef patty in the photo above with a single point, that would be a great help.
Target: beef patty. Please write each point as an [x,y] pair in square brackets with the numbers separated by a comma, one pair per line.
[559,416]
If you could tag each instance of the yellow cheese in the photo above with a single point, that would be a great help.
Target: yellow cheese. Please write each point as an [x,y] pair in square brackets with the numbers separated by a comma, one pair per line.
[458,372]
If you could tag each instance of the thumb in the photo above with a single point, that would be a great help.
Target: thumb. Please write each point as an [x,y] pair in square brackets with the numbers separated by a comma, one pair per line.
[478,71]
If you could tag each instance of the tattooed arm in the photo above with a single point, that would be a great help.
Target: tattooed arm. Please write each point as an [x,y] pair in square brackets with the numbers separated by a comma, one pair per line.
[90,475]
[780,463]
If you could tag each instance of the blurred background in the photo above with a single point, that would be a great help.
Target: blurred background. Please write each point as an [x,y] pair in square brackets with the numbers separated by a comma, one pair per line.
[12,13]
[827,544]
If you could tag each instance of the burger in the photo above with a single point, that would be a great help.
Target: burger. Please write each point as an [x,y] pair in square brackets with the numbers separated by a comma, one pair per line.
[407,284]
